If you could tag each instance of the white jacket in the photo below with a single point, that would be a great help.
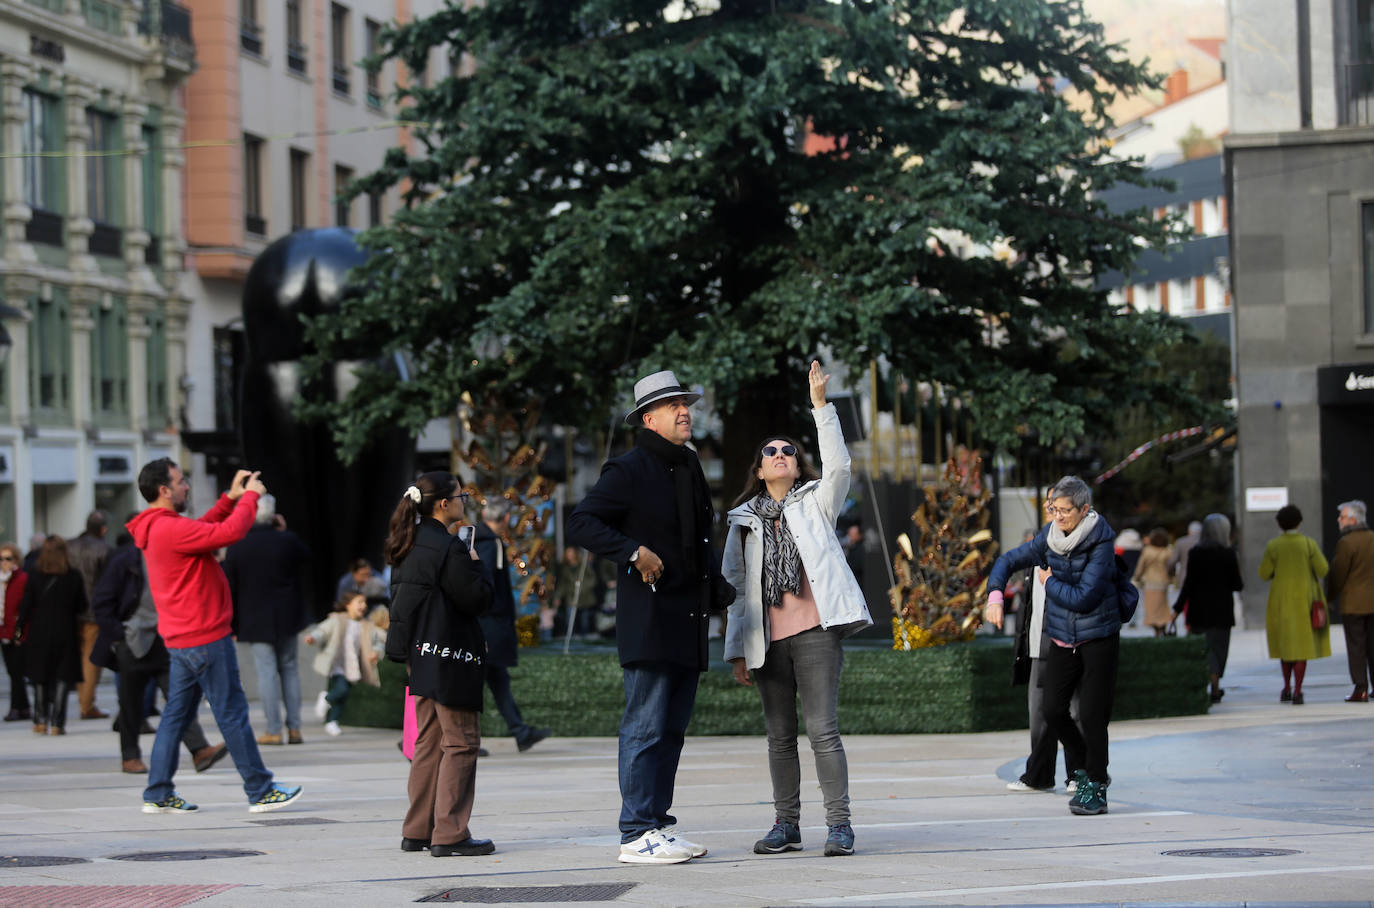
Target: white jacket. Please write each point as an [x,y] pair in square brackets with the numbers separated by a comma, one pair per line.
[811,519]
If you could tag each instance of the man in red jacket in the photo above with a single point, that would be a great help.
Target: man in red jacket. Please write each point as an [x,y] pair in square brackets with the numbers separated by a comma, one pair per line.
[194,613]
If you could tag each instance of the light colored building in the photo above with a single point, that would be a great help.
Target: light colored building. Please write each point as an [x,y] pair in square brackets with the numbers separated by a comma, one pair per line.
[92,255]
[280,118]
[1300,178]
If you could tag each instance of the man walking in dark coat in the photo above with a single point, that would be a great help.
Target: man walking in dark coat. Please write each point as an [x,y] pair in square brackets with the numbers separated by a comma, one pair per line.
[264,573]
[498,624]
[650,515]
[88,553]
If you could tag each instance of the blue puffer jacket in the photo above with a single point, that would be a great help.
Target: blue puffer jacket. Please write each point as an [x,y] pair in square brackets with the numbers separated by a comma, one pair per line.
[1080,595]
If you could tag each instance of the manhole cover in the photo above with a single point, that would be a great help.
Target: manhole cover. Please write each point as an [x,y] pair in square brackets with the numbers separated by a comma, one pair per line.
[209,855]
[492,895]
[37,860]
[1231,852]
[294,821]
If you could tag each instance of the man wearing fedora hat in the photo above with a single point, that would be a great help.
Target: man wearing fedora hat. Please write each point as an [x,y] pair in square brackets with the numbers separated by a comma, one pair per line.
[650,513]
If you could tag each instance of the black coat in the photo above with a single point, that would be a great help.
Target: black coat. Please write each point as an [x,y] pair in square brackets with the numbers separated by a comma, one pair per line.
[115,597]
[634,504]
[437,593]
[498,624]
[1213,575]
[48,613]
[264,571]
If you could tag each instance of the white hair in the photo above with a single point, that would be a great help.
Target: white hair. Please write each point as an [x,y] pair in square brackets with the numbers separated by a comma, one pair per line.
[267,509]
[1357,510]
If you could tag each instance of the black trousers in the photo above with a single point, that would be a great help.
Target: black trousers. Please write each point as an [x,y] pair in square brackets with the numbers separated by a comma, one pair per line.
[50,703]
[1088,670]
[1359,648]
[134,675]
[14,666]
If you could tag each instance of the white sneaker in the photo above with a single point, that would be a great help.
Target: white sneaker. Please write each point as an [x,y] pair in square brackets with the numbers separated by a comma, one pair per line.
[653,848]
[1071,786]
[673,836]
[332,729]
[1018,785]
[321,707]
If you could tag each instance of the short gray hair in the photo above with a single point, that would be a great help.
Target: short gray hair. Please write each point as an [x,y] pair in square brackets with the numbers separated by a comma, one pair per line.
[1356,509]
[1074,489]
[267,509]
[1216,530]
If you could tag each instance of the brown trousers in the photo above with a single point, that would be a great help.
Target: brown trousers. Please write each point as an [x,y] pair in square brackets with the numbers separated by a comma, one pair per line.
[443,775]
[90,672]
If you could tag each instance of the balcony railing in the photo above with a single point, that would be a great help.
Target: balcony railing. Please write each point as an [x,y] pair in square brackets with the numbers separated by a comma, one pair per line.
[106,240]
[341,81]
[250,37]
[255,224]
[1359,94]
[295,56]
[44,227]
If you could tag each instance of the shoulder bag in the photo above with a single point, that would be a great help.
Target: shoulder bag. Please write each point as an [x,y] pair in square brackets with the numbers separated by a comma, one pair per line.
[1320,618]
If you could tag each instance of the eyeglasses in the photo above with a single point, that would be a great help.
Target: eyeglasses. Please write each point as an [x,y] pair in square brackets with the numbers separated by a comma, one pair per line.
[772,451]
[8,558]
[459,495]
[1060,512]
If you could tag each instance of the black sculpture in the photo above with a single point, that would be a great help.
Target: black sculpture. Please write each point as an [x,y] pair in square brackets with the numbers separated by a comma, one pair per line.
[340,511]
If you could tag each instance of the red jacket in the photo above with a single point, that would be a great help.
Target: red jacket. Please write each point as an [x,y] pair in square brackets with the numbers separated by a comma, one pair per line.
[187,583]
[14,592]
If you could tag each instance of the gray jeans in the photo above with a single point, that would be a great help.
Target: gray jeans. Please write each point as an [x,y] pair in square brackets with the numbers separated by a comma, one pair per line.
[279,683]
[809,664]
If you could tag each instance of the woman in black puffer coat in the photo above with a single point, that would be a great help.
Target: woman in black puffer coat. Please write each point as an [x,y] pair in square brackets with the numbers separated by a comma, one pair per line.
[438,589]
[54,597]
[1074,555]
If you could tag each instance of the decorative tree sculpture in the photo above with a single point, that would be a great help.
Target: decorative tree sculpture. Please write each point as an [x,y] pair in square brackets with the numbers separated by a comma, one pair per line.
[504,455]
[942,572]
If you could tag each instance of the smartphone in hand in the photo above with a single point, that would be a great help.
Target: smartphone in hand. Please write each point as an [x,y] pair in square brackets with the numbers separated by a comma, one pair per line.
[466,533]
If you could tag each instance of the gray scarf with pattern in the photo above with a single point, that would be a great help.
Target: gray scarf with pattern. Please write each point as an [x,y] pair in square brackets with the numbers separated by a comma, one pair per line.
[781,560]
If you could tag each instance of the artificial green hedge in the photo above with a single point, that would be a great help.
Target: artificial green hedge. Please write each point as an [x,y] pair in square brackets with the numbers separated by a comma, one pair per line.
[957,688]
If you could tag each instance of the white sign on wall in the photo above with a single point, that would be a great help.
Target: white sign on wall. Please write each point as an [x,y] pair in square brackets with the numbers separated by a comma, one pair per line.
[1266,498]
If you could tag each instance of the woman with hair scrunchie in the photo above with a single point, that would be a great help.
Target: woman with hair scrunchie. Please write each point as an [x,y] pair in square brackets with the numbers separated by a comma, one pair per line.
[438,589]
[797,601]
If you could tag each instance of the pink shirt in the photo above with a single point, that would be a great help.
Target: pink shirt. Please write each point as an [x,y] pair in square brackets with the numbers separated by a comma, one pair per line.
[798,613]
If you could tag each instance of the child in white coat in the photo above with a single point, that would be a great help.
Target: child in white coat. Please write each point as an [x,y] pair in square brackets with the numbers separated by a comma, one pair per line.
[350,648]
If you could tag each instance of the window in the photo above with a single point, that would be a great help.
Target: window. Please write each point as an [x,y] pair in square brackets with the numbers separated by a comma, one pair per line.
[300,176]
[342,177]
[295,43]
[152,193]
[156,366]
[50,356]
[338,46]
[253,221]
[43,183]
[374,208]
[250,32]
[103,182]
[374,76]
[228,348]
[110,361]
[1367,217]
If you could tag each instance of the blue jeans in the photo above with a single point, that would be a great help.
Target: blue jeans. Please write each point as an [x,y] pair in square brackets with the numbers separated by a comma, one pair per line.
[213,669]
[278,680]
[658,706]
[498,680]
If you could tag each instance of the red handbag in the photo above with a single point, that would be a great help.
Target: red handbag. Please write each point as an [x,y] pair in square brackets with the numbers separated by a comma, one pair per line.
[1319,616]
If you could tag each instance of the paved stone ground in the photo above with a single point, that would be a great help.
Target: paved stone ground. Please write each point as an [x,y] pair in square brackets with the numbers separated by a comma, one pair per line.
[934,822]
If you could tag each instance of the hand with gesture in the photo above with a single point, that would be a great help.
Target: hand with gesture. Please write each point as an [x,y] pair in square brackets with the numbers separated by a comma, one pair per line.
[818,381]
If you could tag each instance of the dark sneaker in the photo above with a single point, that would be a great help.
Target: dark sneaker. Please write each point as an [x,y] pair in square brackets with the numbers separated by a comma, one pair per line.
[279,796]
[1090,798]
[173,803]
[414,844]
[534,737]
[784,836]
[840,840]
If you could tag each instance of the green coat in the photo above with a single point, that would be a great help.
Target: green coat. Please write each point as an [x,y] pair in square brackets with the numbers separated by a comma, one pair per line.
[1293,562]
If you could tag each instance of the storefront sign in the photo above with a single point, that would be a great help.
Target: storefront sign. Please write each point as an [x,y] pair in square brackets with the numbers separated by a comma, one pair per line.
[1266,498]
[114,465]
[1345,384]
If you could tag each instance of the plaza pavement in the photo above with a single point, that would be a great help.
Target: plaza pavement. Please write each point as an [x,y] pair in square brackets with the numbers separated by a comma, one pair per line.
[934,822]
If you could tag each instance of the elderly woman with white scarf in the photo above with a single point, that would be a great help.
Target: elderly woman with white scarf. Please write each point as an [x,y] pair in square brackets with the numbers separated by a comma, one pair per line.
[1074,555]
[797,600]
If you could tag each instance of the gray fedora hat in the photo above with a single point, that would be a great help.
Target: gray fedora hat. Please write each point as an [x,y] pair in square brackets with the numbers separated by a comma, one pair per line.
[658,387]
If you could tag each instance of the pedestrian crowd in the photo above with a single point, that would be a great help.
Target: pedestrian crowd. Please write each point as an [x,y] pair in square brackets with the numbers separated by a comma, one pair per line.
[164,606]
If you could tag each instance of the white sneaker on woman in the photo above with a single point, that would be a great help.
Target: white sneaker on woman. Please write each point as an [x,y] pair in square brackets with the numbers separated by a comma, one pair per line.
[332,729]
[321,706]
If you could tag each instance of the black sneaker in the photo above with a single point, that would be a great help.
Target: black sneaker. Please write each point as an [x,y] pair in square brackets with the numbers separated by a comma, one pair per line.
[840,840]
[1091,797]
[469,847]
[534,737]
[414,844]
[784,836]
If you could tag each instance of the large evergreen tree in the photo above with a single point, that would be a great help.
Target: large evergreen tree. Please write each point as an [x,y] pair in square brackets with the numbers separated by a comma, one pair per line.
[605,188]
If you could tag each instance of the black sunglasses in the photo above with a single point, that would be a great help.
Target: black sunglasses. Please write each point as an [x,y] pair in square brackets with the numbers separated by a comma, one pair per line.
[771,451]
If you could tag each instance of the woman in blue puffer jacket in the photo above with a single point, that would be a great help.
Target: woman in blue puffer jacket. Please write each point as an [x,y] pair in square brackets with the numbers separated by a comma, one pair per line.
[1074,555]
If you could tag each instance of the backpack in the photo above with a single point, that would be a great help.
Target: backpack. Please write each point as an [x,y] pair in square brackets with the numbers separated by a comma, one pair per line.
[1127,596]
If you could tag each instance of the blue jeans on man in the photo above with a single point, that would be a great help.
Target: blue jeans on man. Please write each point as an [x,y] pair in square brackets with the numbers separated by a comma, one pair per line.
[658,705]
[211,669]
[279,680]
